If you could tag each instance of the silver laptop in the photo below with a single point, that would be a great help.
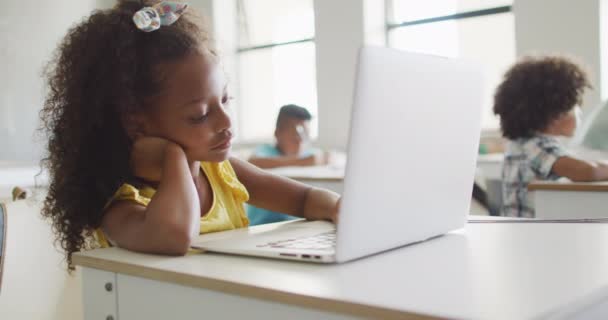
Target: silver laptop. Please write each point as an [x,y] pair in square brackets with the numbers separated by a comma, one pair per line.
[415,129]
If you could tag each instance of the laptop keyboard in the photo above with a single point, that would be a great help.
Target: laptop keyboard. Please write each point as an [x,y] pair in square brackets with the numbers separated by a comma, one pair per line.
[321,241]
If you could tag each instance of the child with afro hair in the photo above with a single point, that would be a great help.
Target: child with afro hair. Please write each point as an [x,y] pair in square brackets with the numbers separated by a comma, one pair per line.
[537,102]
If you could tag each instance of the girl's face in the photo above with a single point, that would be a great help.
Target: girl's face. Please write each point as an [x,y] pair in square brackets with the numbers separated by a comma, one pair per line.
[191,109]
[566,124]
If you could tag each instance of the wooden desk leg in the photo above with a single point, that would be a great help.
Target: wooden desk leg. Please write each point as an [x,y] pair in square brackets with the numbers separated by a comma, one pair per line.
[100,294]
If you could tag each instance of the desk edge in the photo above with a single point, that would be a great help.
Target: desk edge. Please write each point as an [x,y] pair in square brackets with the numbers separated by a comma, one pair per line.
[249,291]
[567,187]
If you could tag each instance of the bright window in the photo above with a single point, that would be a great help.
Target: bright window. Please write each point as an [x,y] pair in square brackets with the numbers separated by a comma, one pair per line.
[276,64]
[480,30]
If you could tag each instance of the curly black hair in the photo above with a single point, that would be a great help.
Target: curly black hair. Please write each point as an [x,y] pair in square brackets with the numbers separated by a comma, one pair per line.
[536,91]
[104,69]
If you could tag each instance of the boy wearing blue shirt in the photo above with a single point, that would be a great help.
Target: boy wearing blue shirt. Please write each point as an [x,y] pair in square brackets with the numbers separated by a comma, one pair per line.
[291,149]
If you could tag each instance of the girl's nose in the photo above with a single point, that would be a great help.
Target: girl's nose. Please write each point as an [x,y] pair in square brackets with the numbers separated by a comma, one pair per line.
[224,122]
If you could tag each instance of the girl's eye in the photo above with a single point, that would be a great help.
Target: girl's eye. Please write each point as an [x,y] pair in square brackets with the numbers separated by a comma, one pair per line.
[226,99]
[199,119]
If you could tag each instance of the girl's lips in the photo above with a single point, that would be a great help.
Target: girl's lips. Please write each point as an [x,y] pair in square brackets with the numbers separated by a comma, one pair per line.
[223,145]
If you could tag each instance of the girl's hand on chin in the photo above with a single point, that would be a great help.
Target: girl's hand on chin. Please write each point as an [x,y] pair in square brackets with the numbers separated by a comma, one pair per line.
[148,157]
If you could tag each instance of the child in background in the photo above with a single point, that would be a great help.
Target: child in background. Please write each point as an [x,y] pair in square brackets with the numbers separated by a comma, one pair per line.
[538,101]
[291,149]
[292,136]
[139,138]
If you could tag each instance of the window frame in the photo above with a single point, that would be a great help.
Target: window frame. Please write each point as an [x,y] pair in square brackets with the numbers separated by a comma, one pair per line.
[243,141]
[392,25]
[457,16]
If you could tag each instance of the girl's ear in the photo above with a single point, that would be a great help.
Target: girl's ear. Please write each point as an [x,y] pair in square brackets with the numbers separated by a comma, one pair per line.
[135,125]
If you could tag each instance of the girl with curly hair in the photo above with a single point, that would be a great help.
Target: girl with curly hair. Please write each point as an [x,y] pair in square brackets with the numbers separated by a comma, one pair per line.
[537,102]
[139,137]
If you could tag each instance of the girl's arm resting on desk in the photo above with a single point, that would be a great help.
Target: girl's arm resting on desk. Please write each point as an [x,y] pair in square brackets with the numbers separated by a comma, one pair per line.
[580,170]
[171,219]
[284,195]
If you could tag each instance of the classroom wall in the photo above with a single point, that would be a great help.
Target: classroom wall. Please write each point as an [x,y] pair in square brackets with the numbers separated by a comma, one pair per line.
[564,27]
[341,27]
[338,35]
[29,31]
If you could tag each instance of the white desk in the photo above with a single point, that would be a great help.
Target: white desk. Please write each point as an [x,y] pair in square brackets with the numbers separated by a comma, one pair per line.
[555,200]
[329,177]
[487,271]
[332,176]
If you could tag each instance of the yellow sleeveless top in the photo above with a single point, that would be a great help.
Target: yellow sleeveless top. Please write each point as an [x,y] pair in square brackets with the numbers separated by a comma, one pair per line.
[227,211]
